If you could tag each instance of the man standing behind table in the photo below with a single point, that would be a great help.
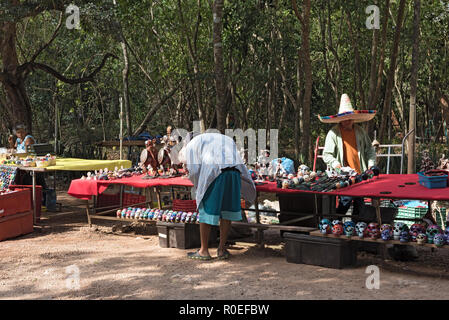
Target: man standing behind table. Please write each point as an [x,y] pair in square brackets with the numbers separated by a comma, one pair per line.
[220,178]
[348,145]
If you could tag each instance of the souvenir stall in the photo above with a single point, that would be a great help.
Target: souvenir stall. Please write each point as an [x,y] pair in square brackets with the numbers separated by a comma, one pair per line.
[52,164]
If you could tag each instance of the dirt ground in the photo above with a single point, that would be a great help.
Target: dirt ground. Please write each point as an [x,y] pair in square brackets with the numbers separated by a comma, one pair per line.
[47,264]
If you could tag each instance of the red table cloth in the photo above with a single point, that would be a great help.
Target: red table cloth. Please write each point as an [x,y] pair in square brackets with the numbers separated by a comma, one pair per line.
[374,188]
[85,189]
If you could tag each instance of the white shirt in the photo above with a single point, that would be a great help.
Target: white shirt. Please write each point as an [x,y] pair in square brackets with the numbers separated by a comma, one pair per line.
[206,155]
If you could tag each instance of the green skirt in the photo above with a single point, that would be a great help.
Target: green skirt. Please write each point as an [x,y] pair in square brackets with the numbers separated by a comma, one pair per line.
[222,199]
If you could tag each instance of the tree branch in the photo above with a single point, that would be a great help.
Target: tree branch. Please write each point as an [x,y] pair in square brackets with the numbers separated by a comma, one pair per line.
[30,66]
[298,15]
[153,111]
[38,52]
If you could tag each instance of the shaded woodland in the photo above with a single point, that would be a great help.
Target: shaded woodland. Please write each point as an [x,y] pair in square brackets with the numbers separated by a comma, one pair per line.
[271,64]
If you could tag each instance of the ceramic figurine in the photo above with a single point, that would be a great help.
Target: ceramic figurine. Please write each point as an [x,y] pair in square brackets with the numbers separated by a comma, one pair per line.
[337,229]
[439,240]
[398,228]
[325,226]
[404,236]
[360,228]
[373,230]
[386,234]
[334,222]
[431,231]
[386,227]
[421,238]
[349,228]
[416,229]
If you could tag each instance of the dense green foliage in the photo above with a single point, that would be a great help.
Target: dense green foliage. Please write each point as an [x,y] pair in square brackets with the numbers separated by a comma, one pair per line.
[261,42]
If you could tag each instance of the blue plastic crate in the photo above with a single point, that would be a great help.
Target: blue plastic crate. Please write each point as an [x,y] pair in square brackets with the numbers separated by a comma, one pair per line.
[432,182]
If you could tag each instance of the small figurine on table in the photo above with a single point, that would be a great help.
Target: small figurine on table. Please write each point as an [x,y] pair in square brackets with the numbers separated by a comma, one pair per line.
[280,170]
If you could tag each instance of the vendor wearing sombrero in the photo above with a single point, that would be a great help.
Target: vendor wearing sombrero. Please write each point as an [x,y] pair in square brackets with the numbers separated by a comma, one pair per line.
[348,145]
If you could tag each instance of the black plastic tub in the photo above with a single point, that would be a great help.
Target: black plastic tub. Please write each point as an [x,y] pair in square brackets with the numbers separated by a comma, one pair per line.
[320,251]
[183,235]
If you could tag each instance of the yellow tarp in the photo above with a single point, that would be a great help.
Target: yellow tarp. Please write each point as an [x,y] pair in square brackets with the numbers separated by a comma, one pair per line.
[72,164]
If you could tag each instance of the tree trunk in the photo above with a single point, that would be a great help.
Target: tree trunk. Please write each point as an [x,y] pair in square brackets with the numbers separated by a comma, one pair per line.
[219,67]
[380,69]
[411,164]
[308,81]
[125,76]
[390,81]
[17,103]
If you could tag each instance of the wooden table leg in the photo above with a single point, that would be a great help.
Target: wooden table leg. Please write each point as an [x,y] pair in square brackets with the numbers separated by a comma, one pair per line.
[158,194]
[88,214]
[259,232]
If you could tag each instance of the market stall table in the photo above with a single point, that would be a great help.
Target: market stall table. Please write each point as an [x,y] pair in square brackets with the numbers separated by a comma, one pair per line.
[393,186]
[72,164]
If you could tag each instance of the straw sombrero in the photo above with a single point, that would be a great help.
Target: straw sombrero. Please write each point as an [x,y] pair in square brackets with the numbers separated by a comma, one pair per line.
[347,112]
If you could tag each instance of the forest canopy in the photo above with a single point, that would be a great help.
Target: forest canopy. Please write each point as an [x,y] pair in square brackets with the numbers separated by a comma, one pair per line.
[283,63]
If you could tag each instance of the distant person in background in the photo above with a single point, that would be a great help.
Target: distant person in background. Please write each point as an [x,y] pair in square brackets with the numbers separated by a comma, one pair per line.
[23,141]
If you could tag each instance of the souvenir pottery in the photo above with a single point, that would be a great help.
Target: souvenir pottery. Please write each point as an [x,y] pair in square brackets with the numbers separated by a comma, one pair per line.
[183,217]
[334,222]
[325,226]
[349,228]
[416,229]
[404,237]
[360,228]
[178,216]
[431,231]
[373,230]
[439,240]
[421,238]
[446,235]
[386,234]
[398,228]
[386,227]
[285,184]
[337,229]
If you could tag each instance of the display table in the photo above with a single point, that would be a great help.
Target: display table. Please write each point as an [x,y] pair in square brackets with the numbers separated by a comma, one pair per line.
[72,164]
[392,186]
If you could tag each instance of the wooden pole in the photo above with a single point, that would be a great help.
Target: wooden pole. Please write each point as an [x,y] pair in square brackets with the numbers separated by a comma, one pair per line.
[411,164]
[121,128]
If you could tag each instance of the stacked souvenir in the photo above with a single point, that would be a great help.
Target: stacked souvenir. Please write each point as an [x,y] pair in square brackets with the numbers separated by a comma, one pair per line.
[325,181]
[426,162]
[107,174]
[7,176]
[399,231]
[158,215]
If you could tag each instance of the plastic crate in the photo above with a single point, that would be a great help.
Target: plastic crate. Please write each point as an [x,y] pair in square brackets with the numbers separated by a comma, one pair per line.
[430,182]
[16,225]
[108,200]
[410,212]
[130,199]
[320,251]
[15,202]
[184,205]
[38,197]
[182,235]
